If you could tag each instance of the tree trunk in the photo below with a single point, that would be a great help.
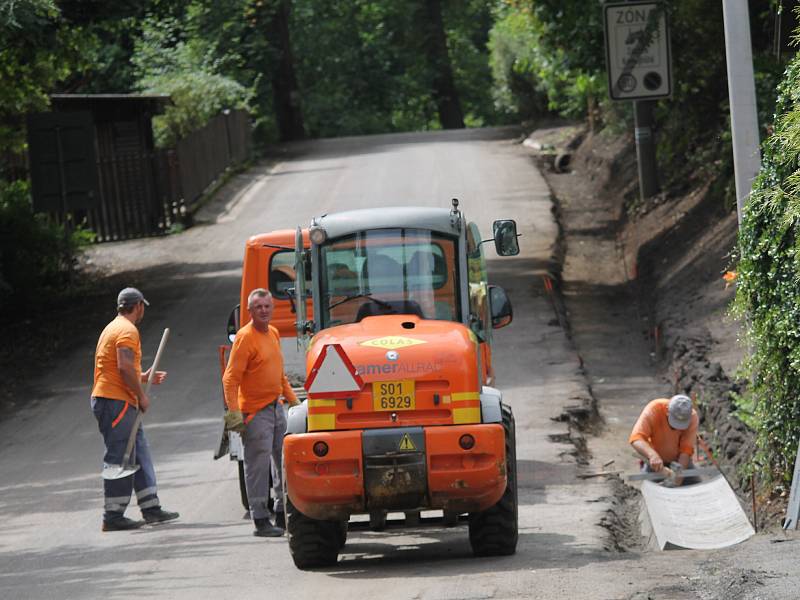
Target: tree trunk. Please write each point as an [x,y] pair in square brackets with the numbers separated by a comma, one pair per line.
[444,89]
[286,95]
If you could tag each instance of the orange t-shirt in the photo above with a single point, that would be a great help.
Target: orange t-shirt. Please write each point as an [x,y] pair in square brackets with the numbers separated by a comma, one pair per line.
[108,383]
[254,376]
[653,428]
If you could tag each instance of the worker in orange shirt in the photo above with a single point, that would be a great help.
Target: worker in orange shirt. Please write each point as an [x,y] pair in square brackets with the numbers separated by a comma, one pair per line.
[666,432]
[117,396]
[254,382]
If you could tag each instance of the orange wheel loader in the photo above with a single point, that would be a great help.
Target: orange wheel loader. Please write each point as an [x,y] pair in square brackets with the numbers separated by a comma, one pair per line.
[402,293]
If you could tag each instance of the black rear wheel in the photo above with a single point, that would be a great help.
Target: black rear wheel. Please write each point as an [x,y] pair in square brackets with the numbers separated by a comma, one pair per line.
[494,532]
[313,543]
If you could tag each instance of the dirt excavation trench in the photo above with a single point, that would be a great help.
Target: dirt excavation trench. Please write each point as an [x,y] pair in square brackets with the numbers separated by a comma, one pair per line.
[644,301]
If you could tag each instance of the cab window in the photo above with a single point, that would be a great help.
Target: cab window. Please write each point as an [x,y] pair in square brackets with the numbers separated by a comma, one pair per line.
[282,274]
[478,283]
[392,271]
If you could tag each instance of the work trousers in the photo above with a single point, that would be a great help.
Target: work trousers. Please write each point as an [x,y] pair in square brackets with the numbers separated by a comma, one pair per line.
[115,420]
[263,440]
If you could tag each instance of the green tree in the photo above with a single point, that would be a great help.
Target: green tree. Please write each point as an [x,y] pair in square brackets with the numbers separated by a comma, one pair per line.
[768,292]
[38,50]
[252,41]
[166,61]
[430,23]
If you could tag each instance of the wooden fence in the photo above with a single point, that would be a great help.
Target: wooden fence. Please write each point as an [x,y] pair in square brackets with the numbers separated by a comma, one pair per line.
[140,196]
[204,154]
[144,194]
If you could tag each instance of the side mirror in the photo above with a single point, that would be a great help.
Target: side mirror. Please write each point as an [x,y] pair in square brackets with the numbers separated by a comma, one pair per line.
[500,305]
[505,237]
[233,323]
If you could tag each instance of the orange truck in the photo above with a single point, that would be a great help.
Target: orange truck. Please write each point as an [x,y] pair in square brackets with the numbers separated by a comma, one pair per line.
[403,294]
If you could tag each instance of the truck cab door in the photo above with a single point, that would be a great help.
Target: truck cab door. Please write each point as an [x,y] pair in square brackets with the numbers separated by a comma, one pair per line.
[270,262]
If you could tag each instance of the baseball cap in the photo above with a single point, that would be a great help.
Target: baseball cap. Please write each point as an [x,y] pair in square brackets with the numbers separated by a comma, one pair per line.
[679,413]
[130,297]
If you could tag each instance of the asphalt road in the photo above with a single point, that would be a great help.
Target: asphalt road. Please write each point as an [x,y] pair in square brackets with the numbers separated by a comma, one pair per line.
[51,545]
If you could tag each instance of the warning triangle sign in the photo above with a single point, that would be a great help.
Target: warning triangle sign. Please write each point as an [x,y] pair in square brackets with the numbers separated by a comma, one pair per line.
[406,443]
[333,374]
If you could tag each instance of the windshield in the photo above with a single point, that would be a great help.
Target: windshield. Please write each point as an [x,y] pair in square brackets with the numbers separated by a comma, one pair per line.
[389,271]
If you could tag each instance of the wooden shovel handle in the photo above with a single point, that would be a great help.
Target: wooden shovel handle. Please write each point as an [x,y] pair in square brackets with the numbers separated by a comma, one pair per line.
[138,421]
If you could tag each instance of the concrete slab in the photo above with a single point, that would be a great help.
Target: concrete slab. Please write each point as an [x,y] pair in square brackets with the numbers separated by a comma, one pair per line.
[703,516]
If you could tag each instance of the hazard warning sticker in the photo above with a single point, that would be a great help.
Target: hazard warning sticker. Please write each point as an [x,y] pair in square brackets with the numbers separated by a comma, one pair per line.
[406,444]
[392,342]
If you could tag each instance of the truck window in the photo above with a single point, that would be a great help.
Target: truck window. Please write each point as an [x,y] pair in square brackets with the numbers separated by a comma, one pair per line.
[478,283]
[282,275]
[392,271]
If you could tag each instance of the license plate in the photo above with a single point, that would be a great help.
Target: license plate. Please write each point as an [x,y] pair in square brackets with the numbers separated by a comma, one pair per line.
[393,395]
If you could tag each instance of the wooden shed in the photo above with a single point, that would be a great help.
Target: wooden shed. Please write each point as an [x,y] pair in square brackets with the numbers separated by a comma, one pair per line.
[93,157]
[93,160]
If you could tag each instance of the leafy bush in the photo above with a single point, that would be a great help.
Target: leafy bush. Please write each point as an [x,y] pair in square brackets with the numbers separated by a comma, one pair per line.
[36,257]
[512,44]
[555,49]
[165,63]
[38,51]
[768,293]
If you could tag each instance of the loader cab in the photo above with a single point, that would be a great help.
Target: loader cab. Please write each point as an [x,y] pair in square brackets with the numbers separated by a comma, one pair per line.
[418,261]
[387,271]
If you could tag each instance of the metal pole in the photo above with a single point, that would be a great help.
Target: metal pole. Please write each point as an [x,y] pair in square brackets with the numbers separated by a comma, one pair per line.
[793,510]
[742,94]
[645,148]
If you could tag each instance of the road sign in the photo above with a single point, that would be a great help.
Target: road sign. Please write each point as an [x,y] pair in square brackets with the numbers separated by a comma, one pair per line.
[637,50]
[333,374]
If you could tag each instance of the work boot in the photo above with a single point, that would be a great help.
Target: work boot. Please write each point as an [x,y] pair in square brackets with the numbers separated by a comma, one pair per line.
[121,524]
[280,519]
[156,515]
[265,529]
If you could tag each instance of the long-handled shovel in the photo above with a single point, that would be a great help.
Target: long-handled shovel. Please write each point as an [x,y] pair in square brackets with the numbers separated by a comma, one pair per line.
[126,469]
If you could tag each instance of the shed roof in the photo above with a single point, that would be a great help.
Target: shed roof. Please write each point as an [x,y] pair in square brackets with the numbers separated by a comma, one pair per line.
[112,106]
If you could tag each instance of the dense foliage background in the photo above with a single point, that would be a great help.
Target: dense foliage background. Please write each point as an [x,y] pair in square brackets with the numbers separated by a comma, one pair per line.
[315,68]
[768,292]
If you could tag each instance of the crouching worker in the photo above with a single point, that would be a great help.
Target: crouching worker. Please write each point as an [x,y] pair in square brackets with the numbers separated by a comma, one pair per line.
[666,433]
[254,383]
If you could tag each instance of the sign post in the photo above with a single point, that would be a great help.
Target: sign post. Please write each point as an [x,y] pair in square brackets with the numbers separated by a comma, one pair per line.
[742,96]
[793,510]
[639,68]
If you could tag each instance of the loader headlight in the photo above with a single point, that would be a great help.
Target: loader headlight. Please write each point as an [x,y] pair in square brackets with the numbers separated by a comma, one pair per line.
[318,235]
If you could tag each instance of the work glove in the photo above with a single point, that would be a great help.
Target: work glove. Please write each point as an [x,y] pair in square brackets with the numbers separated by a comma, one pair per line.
[234,421]
[676,479]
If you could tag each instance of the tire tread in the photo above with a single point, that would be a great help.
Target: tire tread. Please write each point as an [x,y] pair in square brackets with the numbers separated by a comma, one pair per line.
[495,531]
